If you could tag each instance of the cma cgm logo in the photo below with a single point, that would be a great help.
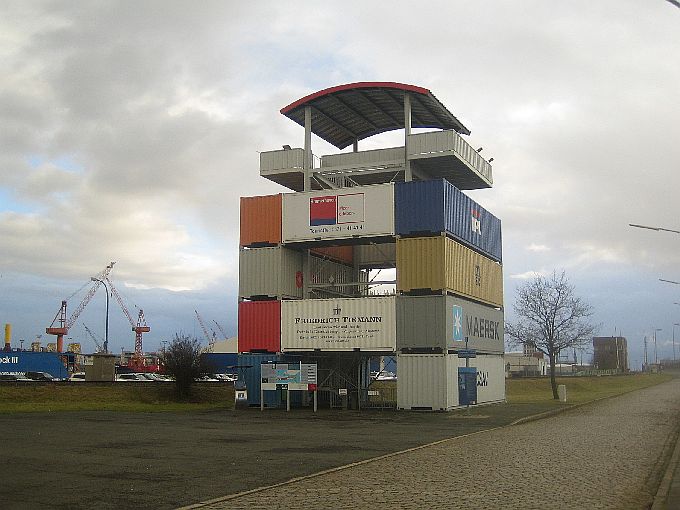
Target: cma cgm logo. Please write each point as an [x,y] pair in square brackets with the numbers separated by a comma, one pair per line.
[476,221]
[336,209]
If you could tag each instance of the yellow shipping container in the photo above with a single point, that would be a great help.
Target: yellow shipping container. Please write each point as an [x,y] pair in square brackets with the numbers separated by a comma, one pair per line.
[440,263]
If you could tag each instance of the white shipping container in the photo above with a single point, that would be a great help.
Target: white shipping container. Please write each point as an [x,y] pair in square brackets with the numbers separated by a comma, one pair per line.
[430,381]
[368,324]
[362,211]
[490,378]
[427,381]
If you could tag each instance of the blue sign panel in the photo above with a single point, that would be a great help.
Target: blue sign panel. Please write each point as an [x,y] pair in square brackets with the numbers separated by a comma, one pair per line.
[467,386]
[467,353]
[19,362]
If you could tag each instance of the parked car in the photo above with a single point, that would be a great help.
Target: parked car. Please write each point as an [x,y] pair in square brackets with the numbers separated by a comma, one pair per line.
[226,377]
[152,376]
[207,378]
[383,376]
[39,376]
[132,377]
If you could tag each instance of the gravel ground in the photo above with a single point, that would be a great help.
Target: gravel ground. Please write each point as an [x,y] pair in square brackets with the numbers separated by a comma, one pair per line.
[603,455]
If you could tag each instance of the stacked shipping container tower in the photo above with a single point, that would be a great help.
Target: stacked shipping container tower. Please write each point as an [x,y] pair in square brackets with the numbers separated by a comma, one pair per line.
[309,285]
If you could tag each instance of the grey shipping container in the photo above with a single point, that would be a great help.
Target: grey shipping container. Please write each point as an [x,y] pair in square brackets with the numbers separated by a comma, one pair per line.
[276,272]
[436,206]
[376,256]
[330,279]
[441,323]
[269,272]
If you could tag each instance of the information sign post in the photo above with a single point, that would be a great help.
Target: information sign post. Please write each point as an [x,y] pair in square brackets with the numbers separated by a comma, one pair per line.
[284,376]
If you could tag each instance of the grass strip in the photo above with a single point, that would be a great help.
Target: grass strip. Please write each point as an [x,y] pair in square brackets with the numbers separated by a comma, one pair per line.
[133,397]
[579,389]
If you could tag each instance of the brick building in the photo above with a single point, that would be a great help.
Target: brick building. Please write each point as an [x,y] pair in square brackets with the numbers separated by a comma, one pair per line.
[610,353]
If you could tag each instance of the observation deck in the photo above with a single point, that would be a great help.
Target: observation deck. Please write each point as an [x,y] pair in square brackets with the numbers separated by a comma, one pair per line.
[345,114]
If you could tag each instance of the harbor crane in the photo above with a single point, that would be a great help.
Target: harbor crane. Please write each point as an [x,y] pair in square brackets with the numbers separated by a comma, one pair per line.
[139,327]
[211,340]
[65,323]
[97,343]
[220,328]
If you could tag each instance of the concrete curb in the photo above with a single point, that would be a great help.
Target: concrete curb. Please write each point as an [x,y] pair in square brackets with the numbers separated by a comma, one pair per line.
[526,419]
[661,496]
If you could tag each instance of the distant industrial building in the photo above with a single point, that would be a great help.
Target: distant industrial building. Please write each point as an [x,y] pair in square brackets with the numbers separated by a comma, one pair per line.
[521,364]
[610,353]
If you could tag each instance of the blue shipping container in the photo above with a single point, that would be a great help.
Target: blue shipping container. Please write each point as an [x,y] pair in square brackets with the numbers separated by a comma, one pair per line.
[220,362]
[20,362]
[436,206]
[249,371]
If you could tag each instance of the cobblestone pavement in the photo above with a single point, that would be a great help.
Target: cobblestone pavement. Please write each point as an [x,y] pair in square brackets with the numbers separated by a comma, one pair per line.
[602,455]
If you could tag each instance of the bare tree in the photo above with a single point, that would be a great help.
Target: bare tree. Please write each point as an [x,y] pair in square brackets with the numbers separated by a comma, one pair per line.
[551,317]
[181,359]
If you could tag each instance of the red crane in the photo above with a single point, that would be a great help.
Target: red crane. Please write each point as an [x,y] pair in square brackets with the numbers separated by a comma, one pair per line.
[138,327]
[66,323]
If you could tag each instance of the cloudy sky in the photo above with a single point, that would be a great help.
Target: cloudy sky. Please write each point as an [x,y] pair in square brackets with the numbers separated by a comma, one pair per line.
[128,131]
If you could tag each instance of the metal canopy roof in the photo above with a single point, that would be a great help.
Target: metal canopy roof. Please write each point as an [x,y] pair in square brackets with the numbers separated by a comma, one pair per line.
[343,114]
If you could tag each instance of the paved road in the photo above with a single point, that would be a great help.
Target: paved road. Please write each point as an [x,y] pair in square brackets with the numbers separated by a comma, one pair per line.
[603,455]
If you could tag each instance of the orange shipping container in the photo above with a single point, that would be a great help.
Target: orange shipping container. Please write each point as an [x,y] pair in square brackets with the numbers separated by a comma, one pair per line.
[344,254]
[261,220]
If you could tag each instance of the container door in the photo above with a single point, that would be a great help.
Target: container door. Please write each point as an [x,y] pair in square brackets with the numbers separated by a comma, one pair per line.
[467,386]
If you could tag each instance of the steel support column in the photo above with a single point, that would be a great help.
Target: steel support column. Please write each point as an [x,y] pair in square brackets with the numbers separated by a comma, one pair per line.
[408,176]
[307,163]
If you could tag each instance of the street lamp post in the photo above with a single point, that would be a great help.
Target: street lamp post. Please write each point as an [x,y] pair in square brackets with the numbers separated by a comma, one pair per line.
[658,229]
[676,324]
[106,329]
[656,359]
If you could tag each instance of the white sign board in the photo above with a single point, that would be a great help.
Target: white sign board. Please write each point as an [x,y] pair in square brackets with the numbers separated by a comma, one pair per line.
[362,211]
[308,373]
[368,324]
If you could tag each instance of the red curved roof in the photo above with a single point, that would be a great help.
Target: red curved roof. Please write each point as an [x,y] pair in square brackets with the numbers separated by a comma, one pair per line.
[345,113]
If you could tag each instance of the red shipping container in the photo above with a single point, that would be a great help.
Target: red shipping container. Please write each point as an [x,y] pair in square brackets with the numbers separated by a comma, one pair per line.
[259,326]
[260,220]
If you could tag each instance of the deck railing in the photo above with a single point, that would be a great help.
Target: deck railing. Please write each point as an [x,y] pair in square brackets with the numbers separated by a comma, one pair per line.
[282,159]
[438,142]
